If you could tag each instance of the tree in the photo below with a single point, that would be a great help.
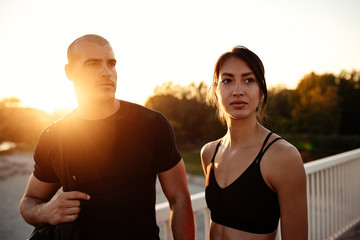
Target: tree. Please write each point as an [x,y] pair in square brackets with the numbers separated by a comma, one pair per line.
[192,120]
[281,102]
[317,111]
[349,93]
[19,124]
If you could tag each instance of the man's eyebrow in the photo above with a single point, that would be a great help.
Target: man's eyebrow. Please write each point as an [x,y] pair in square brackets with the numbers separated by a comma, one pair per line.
[112,60]
[92,60]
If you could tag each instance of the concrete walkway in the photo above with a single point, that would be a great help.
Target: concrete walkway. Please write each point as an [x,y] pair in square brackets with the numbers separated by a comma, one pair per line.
[352,234]
[14,173]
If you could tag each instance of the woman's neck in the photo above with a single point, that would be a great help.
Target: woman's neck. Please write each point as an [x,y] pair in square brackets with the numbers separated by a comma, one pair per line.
[242,132]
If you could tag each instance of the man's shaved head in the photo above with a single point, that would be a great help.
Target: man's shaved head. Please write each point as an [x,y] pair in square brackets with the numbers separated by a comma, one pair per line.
[93,38]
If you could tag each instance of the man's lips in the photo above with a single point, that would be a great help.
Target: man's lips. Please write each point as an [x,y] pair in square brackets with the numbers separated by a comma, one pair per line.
[107,84]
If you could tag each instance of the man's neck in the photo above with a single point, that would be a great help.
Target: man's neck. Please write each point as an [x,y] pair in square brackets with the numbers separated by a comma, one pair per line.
[96,110]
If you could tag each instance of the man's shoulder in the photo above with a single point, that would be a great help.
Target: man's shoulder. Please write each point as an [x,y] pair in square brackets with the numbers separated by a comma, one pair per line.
[141,112]
[53,127]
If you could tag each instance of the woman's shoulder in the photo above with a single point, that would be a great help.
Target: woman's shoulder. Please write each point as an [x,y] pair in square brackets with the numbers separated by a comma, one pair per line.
[284,157]
[283,150]
[210,146]
[208,150]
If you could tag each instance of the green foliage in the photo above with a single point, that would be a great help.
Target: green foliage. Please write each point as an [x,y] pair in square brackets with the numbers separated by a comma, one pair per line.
[321,104]
[313,146]
[21,125]
[192,120]
[281,102]
[317,110]
[192,161]
[349,93]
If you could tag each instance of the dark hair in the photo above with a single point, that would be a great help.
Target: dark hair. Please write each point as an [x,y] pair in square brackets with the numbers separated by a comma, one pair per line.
[257,67]
[93,38]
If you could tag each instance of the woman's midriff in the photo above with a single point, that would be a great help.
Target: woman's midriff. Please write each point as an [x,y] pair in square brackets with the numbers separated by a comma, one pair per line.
[220,232]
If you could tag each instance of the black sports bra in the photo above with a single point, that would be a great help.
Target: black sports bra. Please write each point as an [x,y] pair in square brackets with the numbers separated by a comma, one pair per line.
[247,204]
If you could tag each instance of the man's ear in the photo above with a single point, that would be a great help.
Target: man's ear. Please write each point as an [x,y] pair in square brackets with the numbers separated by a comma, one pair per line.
[68,71]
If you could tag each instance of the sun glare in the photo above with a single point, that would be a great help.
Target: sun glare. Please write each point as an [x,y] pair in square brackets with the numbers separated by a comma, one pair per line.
[186,52]
[55,97]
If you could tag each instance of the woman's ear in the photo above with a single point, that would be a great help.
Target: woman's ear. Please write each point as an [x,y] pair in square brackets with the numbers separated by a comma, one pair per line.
[261,96]
[215,93]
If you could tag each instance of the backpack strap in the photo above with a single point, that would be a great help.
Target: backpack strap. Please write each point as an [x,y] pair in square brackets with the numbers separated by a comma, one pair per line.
[68,180]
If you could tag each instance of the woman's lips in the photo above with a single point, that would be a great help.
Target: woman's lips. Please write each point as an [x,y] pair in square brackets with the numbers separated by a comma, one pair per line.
[238,104]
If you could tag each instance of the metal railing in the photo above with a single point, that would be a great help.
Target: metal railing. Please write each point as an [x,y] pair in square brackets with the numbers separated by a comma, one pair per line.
[333,194]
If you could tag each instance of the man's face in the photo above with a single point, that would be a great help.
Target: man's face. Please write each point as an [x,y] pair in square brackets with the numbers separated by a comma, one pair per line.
[93,72]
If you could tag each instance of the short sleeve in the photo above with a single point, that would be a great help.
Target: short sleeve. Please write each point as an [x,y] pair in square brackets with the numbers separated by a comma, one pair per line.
[167,154]
[45,155]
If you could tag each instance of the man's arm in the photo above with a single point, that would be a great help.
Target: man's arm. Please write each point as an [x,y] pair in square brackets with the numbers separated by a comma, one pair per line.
[174,186]
[44,203]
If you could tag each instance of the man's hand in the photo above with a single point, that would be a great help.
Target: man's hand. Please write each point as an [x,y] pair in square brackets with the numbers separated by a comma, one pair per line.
[63,207]
[44,203]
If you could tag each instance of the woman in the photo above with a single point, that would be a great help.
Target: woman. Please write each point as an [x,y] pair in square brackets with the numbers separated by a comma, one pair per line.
[253,176]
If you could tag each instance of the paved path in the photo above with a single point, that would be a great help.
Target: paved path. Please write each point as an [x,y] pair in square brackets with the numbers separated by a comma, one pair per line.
[352,234]
[14,173]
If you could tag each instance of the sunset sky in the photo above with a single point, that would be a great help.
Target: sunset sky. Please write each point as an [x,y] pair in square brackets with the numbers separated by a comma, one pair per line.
[157,41]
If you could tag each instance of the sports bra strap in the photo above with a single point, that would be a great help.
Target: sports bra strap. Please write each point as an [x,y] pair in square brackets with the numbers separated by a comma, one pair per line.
[261,154]
[265,141]
[216,149]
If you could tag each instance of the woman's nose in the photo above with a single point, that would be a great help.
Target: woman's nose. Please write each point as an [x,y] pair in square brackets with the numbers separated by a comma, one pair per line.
[238,89]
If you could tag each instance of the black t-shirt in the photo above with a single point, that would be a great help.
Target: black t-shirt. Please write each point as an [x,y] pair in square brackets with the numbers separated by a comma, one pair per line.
[115,160]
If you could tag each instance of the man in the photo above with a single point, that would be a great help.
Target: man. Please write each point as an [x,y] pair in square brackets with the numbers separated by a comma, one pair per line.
[114,150]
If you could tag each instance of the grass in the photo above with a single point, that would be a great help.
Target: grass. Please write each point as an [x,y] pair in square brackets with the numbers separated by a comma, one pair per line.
[192,161]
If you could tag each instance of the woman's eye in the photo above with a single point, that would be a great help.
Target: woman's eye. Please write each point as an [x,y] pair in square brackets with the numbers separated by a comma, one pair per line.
[249,80]
[226,80]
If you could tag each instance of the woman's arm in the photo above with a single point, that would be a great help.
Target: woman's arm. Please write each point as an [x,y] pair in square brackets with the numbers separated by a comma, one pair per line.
[206,154]
[289,181]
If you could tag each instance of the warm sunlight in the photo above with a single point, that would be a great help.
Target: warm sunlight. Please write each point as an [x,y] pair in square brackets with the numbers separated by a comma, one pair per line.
[56,95]
[156,44]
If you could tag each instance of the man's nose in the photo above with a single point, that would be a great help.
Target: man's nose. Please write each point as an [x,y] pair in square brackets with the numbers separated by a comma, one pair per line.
[106,71]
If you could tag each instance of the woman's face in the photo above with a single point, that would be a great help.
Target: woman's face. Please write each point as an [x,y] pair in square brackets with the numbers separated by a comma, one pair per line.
[237,91]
